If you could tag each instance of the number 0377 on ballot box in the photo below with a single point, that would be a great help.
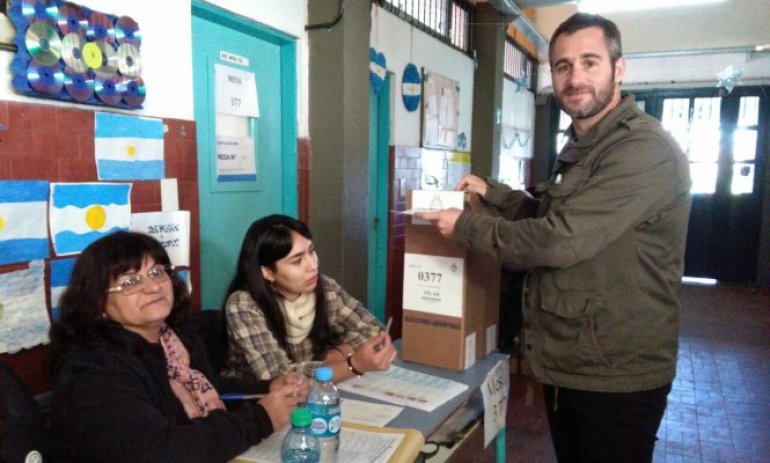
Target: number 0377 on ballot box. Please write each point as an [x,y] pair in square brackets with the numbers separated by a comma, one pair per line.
[451,295]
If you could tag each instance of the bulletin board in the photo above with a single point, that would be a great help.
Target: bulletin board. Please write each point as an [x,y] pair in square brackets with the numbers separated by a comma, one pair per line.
[440,111]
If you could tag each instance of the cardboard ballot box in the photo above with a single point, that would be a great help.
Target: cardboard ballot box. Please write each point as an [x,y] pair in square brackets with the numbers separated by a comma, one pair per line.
[451,294]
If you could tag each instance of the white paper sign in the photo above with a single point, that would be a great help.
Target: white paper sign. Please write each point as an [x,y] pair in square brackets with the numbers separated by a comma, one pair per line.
[434,200]
[494,391]
[235,159]
[171,228]
[236,91]
[434,284]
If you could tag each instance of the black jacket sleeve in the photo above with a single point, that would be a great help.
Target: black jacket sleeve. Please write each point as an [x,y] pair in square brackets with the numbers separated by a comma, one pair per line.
[115,407]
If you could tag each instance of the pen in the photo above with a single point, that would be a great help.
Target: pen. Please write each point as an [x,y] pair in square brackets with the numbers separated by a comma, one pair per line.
[379,346]
[240,396]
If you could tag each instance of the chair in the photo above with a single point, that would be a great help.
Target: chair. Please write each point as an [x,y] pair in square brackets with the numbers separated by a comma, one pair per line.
[209,325]
[22,427]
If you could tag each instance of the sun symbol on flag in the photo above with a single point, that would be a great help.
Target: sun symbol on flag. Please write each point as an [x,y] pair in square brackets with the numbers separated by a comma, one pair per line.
[131,151]
[2,223]
[96,216]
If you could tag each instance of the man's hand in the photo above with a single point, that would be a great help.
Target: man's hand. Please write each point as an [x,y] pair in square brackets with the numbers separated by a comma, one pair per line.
[473,184]
[443,220]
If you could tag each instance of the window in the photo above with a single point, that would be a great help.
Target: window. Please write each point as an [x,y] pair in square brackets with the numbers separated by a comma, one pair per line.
[694,123]
[447,20]
[519,66]
[745,146]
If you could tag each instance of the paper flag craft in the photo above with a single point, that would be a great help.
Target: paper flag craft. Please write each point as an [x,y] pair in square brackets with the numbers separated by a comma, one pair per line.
[410,87]
[81,213]
[377,69]
[61,269]
[128,147]
[23,220]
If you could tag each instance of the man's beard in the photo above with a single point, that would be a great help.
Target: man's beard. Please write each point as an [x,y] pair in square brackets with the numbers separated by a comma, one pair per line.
[601,98]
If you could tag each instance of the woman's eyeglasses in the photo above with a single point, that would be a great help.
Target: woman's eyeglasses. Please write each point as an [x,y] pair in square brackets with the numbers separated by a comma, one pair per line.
[131,284]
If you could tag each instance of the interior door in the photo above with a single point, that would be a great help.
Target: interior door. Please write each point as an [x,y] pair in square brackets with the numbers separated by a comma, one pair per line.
[247,162]
[379,179]
[723,138]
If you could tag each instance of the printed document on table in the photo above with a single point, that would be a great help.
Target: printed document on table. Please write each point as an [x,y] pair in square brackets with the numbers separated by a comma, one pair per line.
[369,413]
[405,387]
[356,446]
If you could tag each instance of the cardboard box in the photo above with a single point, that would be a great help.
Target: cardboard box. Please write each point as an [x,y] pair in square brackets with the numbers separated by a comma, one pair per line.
[451,295]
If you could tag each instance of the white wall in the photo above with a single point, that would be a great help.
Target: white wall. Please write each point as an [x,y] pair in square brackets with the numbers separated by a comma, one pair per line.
[402,44]
[167,55]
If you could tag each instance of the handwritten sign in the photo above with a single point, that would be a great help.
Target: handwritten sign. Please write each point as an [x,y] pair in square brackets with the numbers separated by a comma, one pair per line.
[434,284]
[236,91]
[171,228]
[494,391]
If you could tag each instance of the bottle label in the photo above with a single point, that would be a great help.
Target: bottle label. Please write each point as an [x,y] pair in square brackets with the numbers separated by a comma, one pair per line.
[326,420]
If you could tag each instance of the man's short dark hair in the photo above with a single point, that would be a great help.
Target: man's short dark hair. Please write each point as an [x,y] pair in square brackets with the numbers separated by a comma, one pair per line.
[579,21]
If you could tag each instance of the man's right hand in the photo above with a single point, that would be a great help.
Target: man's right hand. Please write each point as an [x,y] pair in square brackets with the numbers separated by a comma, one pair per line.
[472,183]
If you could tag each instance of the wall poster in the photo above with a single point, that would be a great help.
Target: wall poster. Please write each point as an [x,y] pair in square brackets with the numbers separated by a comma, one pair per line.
[440,111]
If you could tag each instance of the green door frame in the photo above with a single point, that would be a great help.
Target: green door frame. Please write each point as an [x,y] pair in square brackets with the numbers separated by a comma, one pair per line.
[379,175]
[287,202]
[288,88]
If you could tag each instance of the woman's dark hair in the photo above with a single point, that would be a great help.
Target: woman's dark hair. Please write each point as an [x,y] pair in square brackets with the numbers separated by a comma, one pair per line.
[267,241]
[81,322]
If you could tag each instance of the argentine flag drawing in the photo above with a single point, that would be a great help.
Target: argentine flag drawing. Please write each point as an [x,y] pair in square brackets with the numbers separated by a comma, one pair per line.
[61,269]
[23,225]
[81,213]
[128,147]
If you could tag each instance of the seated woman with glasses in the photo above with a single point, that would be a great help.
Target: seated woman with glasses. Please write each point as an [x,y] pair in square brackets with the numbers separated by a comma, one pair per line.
[132,382]
[283,315]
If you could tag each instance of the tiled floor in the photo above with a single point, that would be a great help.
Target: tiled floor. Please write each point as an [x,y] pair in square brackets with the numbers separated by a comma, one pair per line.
[719,407]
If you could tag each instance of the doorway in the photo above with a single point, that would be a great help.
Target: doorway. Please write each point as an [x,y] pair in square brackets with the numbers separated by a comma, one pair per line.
[247,159]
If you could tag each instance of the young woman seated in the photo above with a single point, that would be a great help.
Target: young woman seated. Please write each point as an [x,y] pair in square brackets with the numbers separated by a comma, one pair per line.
[131,382]
[283,315]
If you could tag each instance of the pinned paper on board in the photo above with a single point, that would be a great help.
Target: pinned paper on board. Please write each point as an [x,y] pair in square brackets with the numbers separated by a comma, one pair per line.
[81,213]
[61,270]
[171,229]
[236,91]
[23,220]
[128,147]
[23,316]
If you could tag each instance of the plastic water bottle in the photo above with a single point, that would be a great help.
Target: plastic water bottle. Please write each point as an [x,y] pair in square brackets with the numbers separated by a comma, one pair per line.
[324,404]
[300,445]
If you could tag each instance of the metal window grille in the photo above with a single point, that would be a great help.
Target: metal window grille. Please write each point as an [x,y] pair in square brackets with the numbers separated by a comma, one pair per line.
[447,20]
[520,66]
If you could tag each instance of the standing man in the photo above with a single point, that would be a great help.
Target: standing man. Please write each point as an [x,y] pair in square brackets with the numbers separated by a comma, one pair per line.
[604,249]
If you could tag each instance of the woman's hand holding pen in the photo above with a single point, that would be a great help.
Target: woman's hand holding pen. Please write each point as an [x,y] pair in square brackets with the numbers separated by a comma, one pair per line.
[294,378]
[376,354]
[281,400]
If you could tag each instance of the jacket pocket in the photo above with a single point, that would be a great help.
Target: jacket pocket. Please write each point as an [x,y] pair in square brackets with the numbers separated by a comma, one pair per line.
[569,332]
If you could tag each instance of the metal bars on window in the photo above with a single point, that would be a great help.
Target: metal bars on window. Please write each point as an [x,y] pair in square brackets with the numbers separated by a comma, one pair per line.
[519,66]
[447,20]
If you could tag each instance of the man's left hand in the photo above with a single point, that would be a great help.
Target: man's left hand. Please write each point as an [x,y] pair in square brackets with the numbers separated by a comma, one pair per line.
[443,220]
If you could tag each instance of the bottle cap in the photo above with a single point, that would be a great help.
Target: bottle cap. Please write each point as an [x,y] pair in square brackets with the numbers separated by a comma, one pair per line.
[300,417]
[323,374]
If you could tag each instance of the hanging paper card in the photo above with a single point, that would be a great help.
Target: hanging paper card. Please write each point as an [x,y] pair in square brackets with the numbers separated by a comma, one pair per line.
[236,91]
[410,87]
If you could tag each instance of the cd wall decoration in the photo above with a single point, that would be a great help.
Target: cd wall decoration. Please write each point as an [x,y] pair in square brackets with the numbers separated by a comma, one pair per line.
[70,52]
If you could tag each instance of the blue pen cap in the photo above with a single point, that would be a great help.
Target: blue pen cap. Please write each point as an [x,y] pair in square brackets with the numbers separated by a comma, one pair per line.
[323,374]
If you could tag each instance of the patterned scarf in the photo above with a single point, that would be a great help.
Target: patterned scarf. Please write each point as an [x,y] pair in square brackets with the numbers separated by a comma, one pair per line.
[190,386]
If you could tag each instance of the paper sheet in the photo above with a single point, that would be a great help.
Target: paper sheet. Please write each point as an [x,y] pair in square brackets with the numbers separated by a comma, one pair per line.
[369,413]
[23,316]
[356,446]
[405,387]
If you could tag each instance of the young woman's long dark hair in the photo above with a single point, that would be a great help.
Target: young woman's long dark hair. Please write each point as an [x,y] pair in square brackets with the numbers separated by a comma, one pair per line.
[267,241]
[82,323]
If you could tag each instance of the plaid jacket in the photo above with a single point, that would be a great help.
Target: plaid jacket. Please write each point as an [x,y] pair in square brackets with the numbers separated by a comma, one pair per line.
[253,351]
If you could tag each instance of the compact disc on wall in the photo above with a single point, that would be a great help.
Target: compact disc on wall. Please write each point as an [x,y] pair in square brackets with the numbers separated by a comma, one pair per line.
[45,79]
[72,20]
[72,52]
[43,43]
[129,60]
[127,31]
